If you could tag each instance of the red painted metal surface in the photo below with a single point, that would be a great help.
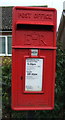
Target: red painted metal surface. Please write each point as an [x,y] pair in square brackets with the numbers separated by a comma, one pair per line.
[33,28]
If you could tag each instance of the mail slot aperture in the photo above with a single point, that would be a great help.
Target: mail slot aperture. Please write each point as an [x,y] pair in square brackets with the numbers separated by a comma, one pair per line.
[34,27]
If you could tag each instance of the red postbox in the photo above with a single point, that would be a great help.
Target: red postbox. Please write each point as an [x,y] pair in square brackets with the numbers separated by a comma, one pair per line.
[33,58]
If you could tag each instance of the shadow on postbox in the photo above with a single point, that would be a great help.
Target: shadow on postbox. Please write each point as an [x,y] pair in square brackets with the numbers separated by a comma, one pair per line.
[33,58]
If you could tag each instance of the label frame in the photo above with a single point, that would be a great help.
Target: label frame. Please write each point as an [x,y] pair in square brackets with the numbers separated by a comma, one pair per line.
[33,92]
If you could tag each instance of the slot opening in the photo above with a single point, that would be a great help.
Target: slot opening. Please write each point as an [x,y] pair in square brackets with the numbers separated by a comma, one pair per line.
[34,27]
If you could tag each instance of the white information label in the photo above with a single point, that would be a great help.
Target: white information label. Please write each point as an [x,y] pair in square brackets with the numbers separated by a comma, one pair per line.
[33,75]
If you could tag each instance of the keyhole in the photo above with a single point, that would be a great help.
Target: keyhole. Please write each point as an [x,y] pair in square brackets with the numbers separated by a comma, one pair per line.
[21,77]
